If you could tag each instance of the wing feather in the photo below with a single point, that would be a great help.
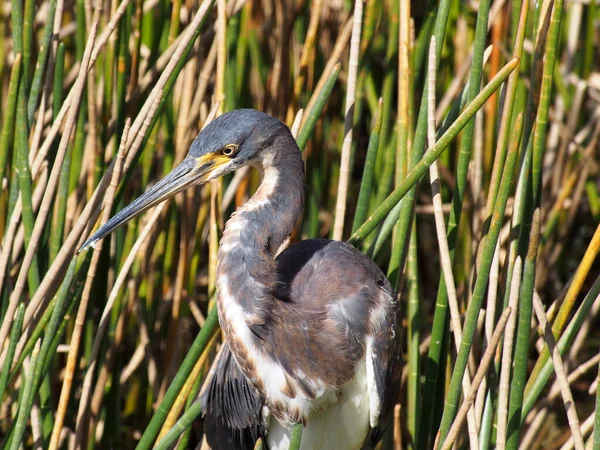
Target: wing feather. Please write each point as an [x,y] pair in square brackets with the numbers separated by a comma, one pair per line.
[232,408]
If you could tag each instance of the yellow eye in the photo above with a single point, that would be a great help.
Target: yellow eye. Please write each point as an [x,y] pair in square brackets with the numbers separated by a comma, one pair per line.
[229,150]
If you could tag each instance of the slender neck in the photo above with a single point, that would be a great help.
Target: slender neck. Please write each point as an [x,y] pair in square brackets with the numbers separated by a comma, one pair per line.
[246,270]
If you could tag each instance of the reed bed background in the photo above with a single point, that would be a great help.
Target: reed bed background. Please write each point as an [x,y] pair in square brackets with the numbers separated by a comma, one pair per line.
[455,142]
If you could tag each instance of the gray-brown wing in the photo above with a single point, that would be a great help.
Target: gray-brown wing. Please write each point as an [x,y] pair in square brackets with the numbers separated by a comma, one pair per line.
[232,408]
[333,279]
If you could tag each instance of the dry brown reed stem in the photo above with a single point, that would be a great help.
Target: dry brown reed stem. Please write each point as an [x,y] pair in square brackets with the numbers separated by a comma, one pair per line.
[159,66]
[134,362]
[221,39]
[295,128]
[40,156]
[47,82]
[307,50]
[104,319]
[40,221]
[440,227]
[490,316]
[19,239]
[185,390]
[213,242]
[39,125]
[560,374]
[85,297]
[334,59]
[110,356]
[203,81]
[36,427]
[488,356]
[533,432]
[184,98]
[98,46]
[342,191]
[507,347]
[586,427]
[582,337]
[278,82]
[145,345]
[80,230]
[542,413]
[397,427]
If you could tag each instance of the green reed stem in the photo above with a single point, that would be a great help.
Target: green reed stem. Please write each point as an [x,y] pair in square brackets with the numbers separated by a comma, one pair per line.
[405,219]
[165,95]
[480,288]
[392,218]
[596,435]
[390,77]
[40,67]
[413,335]
[184,371]
[12,345]
[28,18]
[23,414]
[315,113]
[536,155]
[180,426]
[519,375]
[16,12]
[432,154]
[296,436]
[60,211]
[464,157]
[24,177]
[541,127]
[58,313]
[8,125]
[366,185]
[564,344]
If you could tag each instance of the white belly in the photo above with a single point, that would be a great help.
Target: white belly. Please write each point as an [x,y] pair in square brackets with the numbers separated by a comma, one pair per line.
[341,426]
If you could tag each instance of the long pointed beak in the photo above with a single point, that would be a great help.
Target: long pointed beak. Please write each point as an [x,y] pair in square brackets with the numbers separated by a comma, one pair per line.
[190,172]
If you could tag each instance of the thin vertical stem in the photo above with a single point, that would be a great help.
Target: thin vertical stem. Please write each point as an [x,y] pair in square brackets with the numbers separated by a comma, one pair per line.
[561,374]
[342,192]
[507,356]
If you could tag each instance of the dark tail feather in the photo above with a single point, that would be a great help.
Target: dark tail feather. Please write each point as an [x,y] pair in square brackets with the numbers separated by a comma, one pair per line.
[232,408]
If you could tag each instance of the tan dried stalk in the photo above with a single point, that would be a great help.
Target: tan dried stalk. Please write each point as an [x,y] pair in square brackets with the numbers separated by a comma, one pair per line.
[186,37]
[42,215]
[82,227]
[183,394]
[204,80]
[440,228]
[334,59]
[85,297]
[505,370]
[488,356]
[342,192]
[490,316]
[586,428]
[98,46]
[104,319]
[561,375]
[307,50]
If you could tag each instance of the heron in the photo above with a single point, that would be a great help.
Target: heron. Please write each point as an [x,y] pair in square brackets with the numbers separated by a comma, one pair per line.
[311,334]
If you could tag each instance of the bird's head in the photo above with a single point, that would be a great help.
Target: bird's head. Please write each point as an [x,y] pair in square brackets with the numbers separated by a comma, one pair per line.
[233,140]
